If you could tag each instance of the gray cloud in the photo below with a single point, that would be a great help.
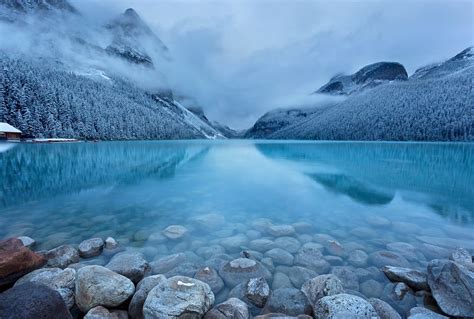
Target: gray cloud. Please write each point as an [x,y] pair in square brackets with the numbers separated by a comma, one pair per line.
[240,59]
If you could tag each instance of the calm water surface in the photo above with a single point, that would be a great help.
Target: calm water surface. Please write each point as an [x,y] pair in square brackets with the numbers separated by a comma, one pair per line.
[364,195]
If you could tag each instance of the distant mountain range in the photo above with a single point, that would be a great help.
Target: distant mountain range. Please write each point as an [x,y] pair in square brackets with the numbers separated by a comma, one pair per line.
[114,69]
[436,103]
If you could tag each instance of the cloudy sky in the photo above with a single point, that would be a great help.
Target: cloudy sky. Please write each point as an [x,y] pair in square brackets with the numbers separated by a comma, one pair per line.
[240,59]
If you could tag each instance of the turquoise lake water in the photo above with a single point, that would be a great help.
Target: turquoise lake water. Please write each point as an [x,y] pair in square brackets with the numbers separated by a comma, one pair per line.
[363,195]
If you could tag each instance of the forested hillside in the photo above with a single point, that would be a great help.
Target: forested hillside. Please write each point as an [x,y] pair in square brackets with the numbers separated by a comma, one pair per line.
[433,109]
[44,102]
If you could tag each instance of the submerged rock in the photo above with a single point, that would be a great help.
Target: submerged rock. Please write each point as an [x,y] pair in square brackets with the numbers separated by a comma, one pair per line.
[242,269]
[347,276]
[299,275]
[62,256]
[135,309]
[257,291]
[280,256]
[281,230]
[281,280]
[33,300]
[175,232]
[289,244]
[130,264]
[344,306]
[17,260]
[358,258]
[388,258]
[321,286]
[452,286]
[262,244]
[110,243]
[413,278]
[310,256]
[63,281]
[99,286]
[178,297]
[234,243]
[91,247]
[233,308]
[167,263]
[210,276]
[289,301]
[384,310]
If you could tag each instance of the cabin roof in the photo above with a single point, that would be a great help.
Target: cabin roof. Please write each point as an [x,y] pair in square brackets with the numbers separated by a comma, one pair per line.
[7,128]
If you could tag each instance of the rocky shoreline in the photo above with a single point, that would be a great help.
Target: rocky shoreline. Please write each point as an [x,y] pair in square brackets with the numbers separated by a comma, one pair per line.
[269,271]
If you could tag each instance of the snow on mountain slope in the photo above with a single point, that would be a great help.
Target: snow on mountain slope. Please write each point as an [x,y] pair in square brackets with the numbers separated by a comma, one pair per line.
[369,76]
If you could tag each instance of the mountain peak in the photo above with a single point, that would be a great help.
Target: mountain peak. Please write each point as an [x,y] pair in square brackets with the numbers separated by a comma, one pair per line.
[25,6]
[369,76]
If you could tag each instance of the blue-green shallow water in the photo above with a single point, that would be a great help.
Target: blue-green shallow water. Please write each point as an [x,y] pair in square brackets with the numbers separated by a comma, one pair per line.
[364,195]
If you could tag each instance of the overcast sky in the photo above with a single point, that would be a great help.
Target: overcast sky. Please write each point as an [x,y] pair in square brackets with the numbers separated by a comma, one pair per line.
[243,58]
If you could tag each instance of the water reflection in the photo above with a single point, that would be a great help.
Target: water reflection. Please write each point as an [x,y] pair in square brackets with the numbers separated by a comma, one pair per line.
[438,174]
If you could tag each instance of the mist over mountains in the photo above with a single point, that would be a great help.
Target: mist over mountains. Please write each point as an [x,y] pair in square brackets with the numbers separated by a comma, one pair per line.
[63,75]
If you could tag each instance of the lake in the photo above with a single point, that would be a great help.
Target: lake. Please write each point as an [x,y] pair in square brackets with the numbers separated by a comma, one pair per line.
[413,199]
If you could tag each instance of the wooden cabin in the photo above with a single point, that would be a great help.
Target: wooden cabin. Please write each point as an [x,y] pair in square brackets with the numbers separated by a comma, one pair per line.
[8,132]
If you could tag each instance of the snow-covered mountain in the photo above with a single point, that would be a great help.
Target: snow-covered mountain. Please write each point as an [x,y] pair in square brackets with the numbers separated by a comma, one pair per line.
[368,77]
[119,64]
[222,129]
[435,103]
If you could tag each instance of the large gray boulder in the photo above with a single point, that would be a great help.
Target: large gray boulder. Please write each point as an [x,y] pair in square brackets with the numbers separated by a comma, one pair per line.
[242,269]
[384,310]
[100,312]
[413,278]
[343,306]
[322,286]
[135,309]
[63,281]
[232,308]
[32,300]
[99,286]
[91,247]
[130,264]
[452,286]
[289,301]
[178,297]
[62,256]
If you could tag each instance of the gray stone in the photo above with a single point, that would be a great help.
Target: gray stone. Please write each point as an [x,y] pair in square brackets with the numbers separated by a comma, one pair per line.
[32,300]
[208,221]
[384,310]
[62,256]
[423,313]
[281,280]
[402,302]
[358,258]
[333,247]
[310,256]
[27,241]
[322,286]
[252,254]
[63,281]
[135,309]
[210,276]
[99,286]
[232,308]
[187,269]
[461,256]
[281,230]
[342,306]
[262,244]
[302,227]
[280,256]
[435,252]
[413,278]
[91,247]
[167,263]
[110,243]
[175,232]
[347,276]
[290,244]
[288,301]
[299,275]
[178,297]
[242,269]
[234,243]
[400,289]
[371,288]
[452,286]
[130,264]
[100,312]
[405,249]
[257,291]
[208,252]
[388,258]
